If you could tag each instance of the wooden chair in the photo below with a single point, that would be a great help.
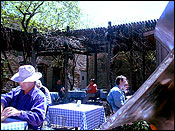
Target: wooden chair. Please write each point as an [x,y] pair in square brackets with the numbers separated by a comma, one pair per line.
[97,95]
[110,108]
[40,128]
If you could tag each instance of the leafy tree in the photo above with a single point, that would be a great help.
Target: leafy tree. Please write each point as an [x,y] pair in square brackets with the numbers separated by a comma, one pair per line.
[45,15]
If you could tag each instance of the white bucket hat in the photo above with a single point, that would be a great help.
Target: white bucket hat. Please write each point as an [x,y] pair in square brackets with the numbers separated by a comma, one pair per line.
[26,74]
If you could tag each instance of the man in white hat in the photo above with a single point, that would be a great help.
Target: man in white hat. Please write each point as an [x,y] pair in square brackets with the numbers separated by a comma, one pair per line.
[26,101]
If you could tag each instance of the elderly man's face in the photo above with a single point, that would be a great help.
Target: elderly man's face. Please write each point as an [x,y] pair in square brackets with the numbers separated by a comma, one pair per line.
[123,83]
[26,85]
[126,87]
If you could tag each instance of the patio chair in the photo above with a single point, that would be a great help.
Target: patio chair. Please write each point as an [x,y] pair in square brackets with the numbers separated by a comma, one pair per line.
[40,128]
[109,109]
[55,98]
[97,95]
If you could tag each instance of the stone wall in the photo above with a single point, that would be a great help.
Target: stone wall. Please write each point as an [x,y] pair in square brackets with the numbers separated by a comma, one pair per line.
[80,66]
[81,61]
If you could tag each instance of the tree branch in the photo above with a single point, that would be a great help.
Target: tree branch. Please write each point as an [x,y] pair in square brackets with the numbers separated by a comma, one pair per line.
[25,26]
[38,6]
[29,6]
[27,22]
[20,10]
[22,22]
[31,15]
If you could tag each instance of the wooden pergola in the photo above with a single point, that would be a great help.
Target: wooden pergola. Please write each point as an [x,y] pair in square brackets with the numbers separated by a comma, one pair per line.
[36,44]
[130,37]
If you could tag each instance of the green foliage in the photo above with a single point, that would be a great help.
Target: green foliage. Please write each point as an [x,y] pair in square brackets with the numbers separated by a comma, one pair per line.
[58,62]
[120,64]
[49,16]
[137,125]
[4,67]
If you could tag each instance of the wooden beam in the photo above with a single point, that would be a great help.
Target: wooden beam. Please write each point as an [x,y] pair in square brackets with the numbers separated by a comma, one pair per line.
[146,34]
[33,58]
[87,68]
[73,71]
[131,67]
[143,66]
[66,78]
[95,66]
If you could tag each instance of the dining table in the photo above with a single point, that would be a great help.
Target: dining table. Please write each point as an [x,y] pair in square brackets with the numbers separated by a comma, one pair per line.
[103,94]
[76,94]
[72,95]
[82,117]
[14,124]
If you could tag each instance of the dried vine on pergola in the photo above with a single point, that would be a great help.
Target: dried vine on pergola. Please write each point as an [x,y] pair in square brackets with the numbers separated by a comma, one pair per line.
[124,37]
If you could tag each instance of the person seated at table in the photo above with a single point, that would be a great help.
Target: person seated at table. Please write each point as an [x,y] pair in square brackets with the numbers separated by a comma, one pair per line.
[60,89]
[26,101]
[116,96]
[45,91]
[91,90]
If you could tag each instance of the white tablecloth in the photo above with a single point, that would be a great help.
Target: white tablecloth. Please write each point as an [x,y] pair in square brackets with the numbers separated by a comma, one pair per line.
[86,117]
[14,124]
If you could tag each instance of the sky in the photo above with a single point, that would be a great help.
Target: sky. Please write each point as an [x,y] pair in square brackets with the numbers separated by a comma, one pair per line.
[99,13]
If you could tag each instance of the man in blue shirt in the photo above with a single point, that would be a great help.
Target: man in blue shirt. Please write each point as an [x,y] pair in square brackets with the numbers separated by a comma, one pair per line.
[116,97]
[25,102]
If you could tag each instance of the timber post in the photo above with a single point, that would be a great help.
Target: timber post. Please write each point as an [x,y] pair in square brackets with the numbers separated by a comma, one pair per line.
[34,50]
[109,38]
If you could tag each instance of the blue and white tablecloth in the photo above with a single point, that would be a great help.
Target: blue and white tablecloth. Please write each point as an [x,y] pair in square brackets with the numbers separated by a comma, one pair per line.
[14,124]
[76,94]
[85,117]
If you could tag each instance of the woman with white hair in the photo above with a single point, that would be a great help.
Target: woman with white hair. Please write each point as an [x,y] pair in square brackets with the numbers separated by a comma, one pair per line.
[45,91]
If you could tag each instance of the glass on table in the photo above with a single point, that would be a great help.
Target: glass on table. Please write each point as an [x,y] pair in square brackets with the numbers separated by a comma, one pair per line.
[78,103]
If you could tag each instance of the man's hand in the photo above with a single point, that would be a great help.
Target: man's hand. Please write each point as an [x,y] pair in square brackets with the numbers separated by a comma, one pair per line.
[11,111]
